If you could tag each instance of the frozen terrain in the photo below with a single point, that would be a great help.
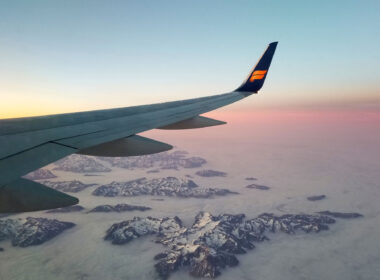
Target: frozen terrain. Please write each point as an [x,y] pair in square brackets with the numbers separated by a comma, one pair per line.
[167,186]
[295,160]
[212,242]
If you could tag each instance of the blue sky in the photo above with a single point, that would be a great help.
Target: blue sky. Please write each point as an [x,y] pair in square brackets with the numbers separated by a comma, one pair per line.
[60,56]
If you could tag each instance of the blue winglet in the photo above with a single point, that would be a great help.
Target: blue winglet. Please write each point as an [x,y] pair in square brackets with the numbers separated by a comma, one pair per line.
[257,76]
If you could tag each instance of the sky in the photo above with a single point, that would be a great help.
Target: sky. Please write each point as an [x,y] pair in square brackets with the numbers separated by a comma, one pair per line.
[67,56]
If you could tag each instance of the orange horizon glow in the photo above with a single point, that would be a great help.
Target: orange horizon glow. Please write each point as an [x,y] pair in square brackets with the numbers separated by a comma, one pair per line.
[233,113]
[296,116]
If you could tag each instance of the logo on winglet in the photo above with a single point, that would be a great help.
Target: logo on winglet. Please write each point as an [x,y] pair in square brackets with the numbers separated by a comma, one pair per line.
[257,75]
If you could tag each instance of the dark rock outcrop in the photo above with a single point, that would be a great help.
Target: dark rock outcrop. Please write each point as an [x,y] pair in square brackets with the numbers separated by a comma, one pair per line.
[258,187]
[251,179]
[31,231]
[68,209]
[212,242]
[68,186]
[211,173]
[153,171]
[341,215]
[316,197]
[119,208]
[168,186]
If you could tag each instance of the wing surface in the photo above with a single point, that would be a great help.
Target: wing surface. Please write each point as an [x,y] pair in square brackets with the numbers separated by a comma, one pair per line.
[27,144]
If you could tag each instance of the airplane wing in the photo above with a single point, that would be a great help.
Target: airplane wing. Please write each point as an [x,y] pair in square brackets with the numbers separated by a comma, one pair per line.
[27,144]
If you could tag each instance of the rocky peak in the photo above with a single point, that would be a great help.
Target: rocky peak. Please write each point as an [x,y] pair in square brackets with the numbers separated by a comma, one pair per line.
[167,186]
[31,231]
[212,242]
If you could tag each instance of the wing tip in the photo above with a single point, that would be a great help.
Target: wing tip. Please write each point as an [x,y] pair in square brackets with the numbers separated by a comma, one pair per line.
[257,76]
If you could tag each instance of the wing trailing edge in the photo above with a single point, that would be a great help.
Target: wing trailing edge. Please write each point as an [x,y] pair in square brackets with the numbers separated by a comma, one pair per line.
[196,122]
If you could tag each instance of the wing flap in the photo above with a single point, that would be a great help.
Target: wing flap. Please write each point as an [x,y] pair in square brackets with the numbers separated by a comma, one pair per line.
[196,122]
[24,195]
[130,146]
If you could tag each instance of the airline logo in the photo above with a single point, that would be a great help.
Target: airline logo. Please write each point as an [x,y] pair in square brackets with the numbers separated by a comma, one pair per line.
[258,75]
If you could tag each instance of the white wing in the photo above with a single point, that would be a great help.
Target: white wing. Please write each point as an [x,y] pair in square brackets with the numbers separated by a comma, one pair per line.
[27,144]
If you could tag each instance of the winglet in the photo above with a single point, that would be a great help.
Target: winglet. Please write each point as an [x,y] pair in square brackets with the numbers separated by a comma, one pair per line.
[257,76]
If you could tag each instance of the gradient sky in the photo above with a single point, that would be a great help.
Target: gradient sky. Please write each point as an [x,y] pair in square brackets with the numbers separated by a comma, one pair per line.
[65,56]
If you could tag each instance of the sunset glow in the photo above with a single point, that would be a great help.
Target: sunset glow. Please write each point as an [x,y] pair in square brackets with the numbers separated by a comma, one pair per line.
[103,57]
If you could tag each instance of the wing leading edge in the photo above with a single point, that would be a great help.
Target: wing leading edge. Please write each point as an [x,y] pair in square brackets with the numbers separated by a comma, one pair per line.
[27,144]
